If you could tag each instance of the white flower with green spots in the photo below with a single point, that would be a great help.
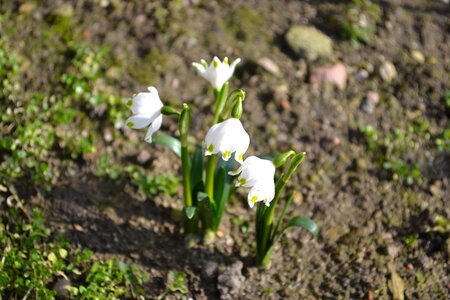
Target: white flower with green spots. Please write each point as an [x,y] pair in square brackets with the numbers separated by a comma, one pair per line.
[217,72]
[227,137]
[257,174]
[146,108]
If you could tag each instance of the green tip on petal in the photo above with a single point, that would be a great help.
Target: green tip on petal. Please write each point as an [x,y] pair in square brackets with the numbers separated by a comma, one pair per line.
[240,157]
[216,63]
[226,155]
[254,199]
[130,124]
[210,148]
[242,181]
[130,102]
[225,60]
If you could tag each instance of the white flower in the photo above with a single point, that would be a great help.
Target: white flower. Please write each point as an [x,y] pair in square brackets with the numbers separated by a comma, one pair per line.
[258,174]
[217,73]
[227,137]
[146,108]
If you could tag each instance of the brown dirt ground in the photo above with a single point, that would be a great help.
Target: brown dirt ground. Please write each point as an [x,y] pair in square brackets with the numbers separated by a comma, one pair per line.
[364,216]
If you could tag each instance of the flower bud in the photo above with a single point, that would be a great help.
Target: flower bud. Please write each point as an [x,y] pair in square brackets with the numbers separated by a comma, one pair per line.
[279,160]
[168,110]
[184,123]
[236,95]
[237,109]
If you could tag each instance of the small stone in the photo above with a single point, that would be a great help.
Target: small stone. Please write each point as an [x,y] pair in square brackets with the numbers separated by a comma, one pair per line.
[134,255]
[64,10]
[113,216]
[27,7]
[418,56]
[107,135]
[229,282]
[393,251]
[409,266]
[361,75]
[387,71]
[143,157]
[79,228]
[210,269]
[281,96]
[269,65]
[220,233]
[335,74]
[298,198]
[369,102]
[61,288]
[309,42]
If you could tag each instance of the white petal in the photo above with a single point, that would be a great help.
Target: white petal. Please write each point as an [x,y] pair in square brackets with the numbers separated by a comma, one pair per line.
[262,191]
[255,170]
[200,68]
[146,103]
[138,121]
[156,125]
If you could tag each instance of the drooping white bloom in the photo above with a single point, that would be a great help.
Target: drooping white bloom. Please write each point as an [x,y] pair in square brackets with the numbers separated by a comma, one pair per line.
[258,174]
[217,72]
[146,108]
[227,137]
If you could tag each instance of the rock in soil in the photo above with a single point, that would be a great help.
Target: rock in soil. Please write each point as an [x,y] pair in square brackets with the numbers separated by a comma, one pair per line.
[388,72]
[309,42]
[369,102]
[230,281]
[335,74]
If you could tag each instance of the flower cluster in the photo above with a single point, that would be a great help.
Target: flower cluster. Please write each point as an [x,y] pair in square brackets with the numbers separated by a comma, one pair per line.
[207,182]
[226,137]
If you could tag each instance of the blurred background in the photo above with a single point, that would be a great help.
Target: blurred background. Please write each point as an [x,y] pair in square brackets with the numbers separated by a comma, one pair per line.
[361,86]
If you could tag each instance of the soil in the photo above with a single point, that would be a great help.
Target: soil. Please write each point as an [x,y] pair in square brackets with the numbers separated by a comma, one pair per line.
[364,215]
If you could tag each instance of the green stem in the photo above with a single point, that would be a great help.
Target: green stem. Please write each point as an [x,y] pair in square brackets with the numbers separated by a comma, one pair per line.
[220,99]
[186,169]
[268,220]
[209,180]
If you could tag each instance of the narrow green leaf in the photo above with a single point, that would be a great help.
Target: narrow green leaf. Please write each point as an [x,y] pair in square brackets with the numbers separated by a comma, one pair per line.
[303,222]
[168,141]
[190,211]
[221,194]
[197,166]
[205,211]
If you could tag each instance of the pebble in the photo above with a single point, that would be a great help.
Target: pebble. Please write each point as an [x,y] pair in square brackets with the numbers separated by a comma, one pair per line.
[369,102]
[210,269]
[27,7]
[387,71]
[309,42]
[335,74]
[143,156]
[418,56]
[229,282]
[269,65]
[64,10]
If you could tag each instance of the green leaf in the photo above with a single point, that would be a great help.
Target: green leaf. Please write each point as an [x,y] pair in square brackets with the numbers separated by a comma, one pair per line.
[197,166]
[222,189]
[63,252]
[303,222]
[190,211]
[52,257]
[205,210]
[168,141]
